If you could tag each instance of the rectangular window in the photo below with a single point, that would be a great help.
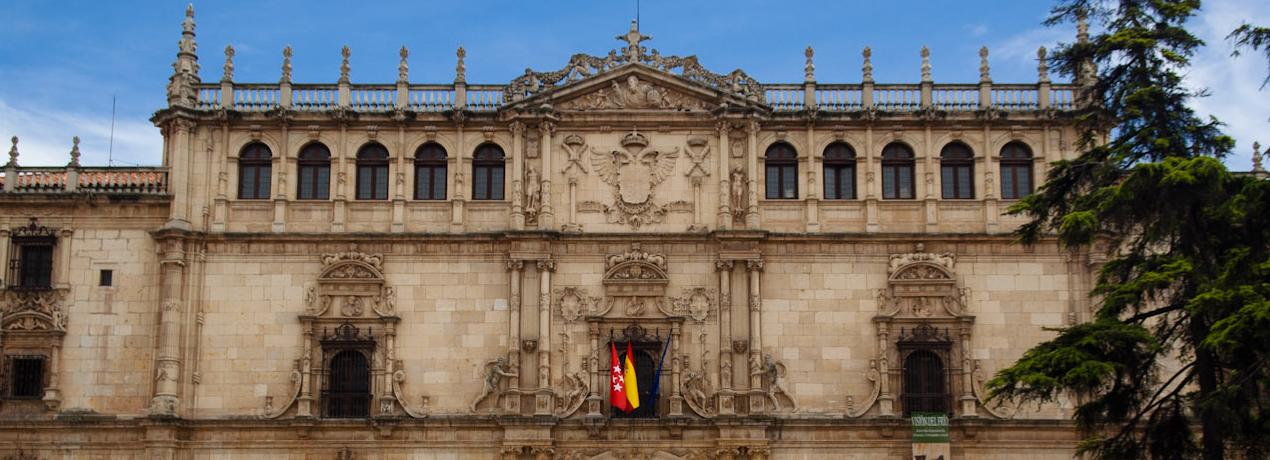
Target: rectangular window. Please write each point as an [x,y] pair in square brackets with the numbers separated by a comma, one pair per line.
[430,182]
[254,183]
[34,266]
[315,182]
[27,377]
[106,278]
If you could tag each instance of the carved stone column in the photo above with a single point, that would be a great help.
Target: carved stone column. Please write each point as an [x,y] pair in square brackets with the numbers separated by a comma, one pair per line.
[751,213]
[543,400]
[886,402]
[168,359]
[4,244]
[281,178]
[340,168]
[516,267]
[813,178]
[457,199]
[386,398]
[968,400]
[304,408]
[547,217]
[598,380]
[725,182]
[727,404]
[518,168]
[871,188]
[676,369]
[178,162]
[62,279]
[53,393]
[758,401]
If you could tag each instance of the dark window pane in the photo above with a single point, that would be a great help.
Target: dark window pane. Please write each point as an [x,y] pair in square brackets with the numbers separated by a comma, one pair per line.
[831,184]
[1007,183]
[888,182]
[906,182]
[1025,181]
[28,378]
[36,265]
[789,182]
[106,278]
[773,182]
[947,180]
[438,182]
[348,390]
[480,184]
[496,183]
[847,178]
[964,189]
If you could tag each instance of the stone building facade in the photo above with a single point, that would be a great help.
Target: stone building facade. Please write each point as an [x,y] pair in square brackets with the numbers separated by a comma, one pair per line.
[362,271]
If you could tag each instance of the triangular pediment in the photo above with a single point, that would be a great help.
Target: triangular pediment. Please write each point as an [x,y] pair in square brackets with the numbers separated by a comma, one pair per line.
[632,87]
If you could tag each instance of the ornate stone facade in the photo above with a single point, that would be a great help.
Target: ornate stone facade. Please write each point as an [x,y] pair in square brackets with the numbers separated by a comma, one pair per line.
[636,210]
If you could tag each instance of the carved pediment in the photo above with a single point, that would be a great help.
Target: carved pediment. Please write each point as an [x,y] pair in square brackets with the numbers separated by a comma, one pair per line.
[33,311]
[353,283]
[583,69]
[633,93]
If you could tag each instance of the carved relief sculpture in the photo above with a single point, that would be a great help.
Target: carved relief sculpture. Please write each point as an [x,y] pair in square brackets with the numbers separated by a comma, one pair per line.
[533,196]
[495,371]
[634,174]
[738,195]
[770,372]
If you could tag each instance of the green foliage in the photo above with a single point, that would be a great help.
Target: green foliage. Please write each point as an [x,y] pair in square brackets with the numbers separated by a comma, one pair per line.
[1257,38]
[1188,271]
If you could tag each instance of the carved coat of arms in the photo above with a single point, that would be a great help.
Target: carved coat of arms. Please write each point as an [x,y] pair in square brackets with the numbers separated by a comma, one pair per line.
[634,173]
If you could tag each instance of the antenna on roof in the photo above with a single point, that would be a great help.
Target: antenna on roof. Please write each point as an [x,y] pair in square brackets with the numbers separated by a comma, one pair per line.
[110,151]
[637,14]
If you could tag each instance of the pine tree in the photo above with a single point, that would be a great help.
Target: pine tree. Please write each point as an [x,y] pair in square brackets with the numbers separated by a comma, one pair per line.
[1181,336]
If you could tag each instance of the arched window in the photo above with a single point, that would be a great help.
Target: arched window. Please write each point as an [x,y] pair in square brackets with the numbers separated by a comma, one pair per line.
[782,172]
[487,172]
[372,172]
[430,172]
[255,165]
[925,385]
[347,394]
[1016,171]
[315,172]
[957,166]
[839,172]
[897,171]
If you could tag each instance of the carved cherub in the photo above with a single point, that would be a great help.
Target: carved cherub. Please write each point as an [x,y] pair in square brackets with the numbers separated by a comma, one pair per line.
[495,371]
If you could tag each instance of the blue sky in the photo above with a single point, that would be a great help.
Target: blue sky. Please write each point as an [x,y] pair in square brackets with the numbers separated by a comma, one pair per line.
[61,62]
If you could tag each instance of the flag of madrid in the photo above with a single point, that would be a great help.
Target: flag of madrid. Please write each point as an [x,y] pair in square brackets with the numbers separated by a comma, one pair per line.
[617,383]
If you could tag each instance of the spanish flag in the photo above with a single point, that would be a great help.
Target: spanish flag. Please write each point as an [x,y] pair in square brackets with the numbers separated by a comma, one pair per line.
[632,387]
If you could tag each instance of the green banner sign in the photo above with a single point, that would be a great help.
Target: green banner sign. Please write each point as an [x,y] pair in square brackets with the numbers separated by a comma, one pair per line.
[930,427]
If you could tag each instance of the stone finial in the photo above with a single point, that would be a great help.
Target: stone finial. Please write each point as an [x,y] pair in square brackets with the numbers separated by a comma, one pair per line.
[867,68]
[809,70]
[74,152]
[984,75]
[460,69]
[286,65]
[403,69]
[1256,156]
[185,69]
[229,64]
[925,64]
[344,68]
[13,152]
[1042,66]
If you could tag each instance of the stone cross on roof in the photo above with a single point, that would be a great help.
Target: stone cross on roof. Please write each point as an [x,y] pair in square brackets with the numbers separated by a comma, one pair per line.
[633,38]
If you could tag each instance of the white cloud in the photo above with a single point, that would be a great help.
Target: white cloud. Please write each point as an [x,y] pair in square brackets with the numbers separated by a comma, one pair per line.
[1234,84]
[45,137]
